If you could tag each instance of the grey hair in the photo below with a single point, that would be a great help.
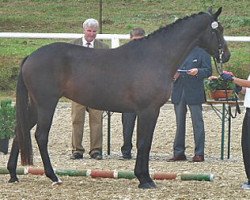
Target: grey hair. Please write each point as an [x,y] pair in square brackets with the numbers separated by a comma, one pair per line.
[135,32]
[90,23]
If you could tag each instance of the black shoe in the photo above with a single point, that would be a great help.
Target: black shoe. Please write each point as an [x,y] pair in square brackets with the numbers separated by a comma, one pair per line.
[97,155]
[178,158]
[197,158]
[126,155]
[76,156]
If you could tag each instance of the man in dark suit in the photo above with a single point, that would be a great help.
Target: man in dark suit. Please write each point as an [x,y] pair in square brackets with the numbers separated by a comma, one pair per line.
[128,119]
[188,91]
[90,29]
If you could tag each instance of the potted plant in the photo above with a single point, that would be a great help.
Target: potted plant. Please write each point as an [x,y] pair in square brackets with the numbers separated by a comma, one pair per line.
[216,88]
[7,124]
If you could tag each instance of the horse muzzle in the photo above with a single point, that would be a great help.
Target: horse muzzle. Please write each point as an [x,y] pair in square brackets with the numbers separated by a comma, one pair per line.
[226,56]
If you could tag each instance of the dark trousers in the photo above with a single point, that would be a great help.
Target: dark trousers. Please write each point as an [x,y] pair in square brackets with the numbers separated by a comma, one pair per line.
[198,128]
[128,123]
[245,142]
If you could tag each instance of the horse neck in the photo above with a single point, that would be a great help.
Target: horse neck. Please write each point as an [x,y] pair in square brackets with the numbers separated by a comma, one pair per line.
[176,43]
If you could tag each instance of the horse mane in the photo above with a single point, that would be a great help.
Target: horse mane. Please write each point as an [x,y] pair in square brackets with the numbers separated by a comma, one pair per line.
[166,28]
[170,26]
[162,29]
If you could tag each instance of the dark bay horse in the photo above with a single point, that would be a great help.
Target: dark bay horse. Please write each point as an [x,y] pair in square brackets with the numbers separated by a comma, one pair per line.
[135,77]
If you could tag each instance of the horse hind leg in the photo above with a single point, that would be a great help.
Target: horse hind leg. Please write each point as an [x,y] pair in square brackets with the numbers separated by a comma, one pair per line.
[12,162]
[45,116]
[145,129]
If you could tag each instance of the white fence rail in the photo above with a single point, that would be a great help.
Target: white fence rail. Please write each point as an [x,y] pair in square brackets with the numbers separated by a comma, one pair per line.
[115,38]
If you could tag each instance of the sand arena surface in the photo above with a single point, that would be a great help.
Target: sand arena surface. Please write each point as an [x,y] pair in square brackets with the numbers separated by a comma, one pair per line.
[229,173]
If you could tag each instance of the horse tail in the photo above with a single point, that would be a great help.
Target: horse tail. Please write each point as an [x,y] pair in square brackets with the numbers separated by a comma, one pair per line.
[23,120]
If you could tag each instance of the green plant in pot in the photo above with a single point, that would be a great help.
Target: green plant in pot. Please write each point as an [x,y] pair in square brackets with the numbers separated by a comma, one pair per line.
[7,124]
[216,88]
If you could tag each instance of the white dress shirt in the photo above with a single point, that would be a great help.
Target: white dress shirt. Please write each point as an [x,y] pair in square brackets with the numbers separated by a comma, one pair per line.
[247,96]
[84,43]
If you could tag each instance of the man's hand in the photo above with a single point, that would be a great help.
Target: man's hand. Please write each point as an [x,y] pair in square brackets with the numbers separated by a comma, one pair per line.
[176,76]
[193,72]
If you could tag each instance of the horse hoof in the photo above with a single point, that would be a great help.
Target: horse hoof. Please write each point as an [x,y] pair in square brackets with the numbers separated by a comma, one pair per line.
[149,185]
[59,182]
[13,180]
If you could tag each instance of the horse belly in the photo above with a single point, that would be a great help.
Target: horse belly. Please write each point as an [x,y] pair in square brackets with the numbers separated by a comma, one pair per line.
[101,99]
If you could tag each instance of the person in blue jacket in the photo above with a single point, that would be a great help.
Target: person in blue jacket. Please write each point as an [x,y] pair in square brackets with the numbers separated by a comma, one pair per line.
[188,91]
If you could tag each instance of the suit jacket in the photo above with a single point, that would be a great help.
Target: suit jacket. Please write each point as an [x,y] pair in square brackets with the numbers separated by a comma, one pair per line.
[193,86]
[97,43]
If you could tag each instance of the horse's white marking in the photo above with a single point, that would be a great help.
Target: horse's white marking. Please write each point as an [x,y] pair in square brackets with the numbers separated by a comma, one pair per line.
[59,182]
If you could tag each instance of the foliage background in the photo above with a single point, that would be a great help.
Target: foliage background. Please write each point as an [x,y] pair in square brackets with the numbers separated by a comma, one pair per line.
[7,119]
[120,16]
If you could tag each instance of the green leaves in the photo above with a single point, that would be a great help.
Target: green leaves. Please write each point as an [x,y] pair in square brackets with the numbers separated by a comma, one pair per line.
[7,119]
[218,84]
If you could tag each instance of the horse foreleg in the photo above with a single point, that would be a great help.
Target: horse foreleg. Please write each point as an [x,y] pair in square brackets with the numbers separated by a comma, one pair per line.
[41,135]
[12,163]
[145,129]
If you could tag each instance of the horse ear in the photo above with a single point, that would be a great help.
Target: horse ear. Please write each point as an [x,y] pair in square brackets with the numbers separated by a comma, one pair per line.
[217,13]
[210,10]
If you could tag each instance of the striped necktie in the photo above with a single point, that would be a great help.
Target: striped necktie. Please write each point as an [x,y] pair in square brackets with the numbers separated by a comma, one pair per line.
[88,44]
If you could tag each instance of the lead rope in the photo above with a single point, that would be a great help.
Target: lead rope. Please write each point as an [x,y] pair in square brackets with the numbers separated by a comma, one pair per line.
[219,69]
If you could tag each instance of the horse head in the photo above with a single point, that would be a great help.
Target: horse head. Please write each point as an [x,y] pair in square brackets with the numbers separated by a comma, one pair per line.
[213,40]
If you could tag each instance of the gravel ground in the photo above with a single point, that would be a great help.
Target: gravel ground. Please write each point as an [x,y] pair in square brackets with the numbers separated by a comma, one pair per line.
[229,173]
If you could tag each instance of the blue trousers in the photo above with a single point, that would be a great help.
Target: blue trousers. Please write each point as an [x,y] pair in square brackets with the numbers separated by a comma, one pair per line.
[198,128]
[128,123]
[245,142]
